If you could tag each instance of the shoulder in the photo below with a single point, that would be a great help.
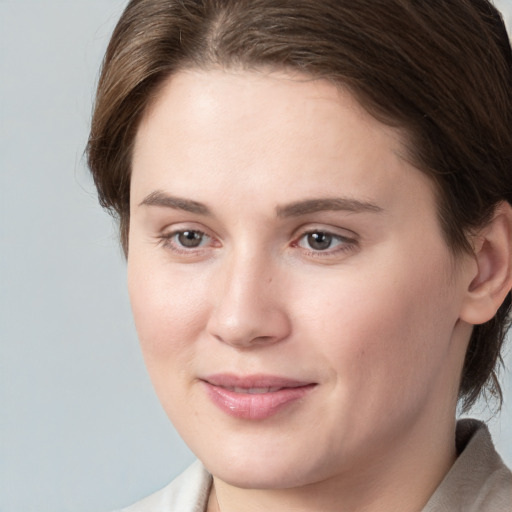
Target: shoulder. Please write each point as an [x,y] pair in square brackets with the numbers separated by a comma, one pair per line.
[479,481]
[187,493]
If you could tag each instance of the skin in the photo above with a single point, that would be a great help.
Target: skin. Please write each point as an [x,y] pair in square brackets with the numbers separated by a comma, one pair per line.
[379,320]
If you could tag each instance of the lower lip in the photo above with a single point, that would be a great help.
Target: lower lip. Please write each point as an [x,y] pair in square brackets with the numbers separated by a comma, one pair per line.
[256,406]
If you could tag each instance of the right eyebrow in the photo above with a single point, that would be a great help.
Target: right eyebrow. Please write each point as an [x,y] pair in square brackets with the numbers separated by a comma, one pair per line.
[160,198]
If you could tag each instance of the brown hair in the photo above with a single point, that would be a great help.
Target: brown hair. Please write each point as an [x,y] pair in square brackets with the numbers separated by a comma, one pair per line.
[440,70]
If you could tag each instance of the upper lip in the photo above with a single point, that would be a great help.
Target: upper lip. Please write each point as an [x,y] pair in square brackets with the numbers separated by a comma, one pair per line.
[231,381]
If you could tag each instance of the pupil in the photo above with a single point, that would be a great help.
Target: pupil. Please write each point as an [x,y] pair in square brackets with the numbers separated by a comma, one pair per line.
[319,241]
[190,238]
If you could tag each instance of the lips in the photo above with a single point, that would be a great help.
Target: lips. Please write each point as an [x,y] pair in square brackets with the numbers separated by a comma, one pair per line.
[254,397]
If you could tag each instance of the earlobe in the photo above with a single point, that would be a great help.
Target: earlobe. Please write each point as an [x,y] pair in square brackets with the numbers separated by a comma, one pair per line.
[493,278]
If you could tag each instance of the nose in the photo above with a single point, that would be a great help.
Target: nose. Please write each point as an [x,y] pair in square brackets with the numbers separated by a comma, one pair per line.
[249,309]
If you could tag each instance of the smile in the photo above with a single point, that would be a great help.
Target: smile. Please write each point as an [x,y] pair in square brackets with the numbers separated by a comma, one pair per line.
[254,397]
[254,391]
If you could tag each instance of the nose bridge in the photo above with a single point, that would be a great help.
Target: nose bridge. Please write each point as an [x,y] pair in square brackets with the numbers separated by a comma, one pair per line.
[247,308]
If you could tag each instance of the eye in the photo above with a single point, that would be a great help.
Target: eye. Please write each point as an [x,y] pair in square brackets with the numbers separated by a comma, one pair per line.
[185,240]
[190,239]
[318,241]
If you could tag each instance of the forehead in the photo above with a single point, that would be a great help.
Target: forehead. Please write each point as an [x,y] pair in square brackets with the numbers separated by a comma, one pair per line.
[253,97]
[242,130]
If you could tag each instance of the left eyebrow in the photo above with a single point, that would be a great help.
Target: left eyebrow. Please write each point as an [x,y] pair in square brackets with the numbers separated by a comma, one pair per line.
[325,204]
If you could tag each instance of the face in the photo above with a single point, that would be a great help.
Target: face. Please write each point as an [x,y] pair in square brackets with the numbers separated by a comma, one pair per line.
[296,303]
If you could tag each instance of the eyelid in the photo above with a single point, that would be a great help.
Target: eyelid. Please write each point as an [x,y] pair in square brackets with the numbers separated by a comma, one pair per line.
[335,231]
[180,226]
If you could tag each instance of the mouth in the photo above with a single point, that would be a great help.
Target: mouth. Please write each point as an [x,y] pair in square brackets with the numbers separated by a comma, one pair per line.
[254,397]
[253,391]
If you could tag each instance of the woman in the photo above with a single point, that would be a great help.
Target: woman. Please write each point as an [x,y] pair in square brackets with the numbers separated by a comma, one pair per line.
[314,201]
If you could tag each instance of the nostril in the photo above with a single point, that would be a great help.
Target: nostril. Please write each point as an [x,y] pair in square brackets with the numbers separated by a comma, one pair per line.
[247,309]
[259,328]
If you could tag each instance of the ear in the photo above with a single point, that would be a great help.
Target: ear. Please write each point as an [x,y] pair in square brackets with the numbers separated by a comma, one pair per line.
[493,278]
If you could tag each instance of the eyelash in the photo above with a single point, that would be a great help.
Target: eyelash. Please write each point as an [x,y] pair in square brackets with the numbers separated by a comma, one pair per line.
[345,244]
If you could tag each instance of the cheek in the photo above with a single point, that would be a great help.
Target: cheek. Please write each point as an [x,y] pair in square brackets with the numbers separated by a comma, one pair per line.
[168,309]
[385,326]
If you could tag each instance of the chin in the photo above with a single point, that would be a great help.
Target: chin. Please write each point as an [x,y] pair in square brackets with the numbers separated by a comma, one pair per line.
[265,468]
[255,476]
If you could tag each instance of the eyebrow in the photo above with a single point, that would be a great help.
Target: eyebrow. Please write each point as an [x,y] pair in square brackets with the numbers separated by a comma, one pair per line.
[295,209]
[159,198]
[325,204]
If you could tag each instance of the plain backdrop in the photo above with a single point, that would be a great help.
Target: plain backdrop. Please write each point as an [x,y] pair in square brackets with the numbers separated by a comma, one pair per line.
[80,427]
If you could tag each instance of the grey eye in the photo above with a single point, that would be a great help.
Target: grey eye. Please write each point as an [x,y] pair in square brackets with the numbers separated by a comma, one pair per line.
[319,241]
[190,239]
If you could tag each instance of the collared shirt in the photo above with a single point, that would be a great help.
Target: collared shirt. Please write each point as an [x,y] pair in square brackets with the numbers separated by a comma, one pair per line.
[479,481]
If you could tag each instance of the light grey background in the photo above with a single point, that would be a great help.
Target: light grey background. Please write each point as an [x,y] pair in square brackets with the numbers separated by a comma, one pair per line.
[80,427]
